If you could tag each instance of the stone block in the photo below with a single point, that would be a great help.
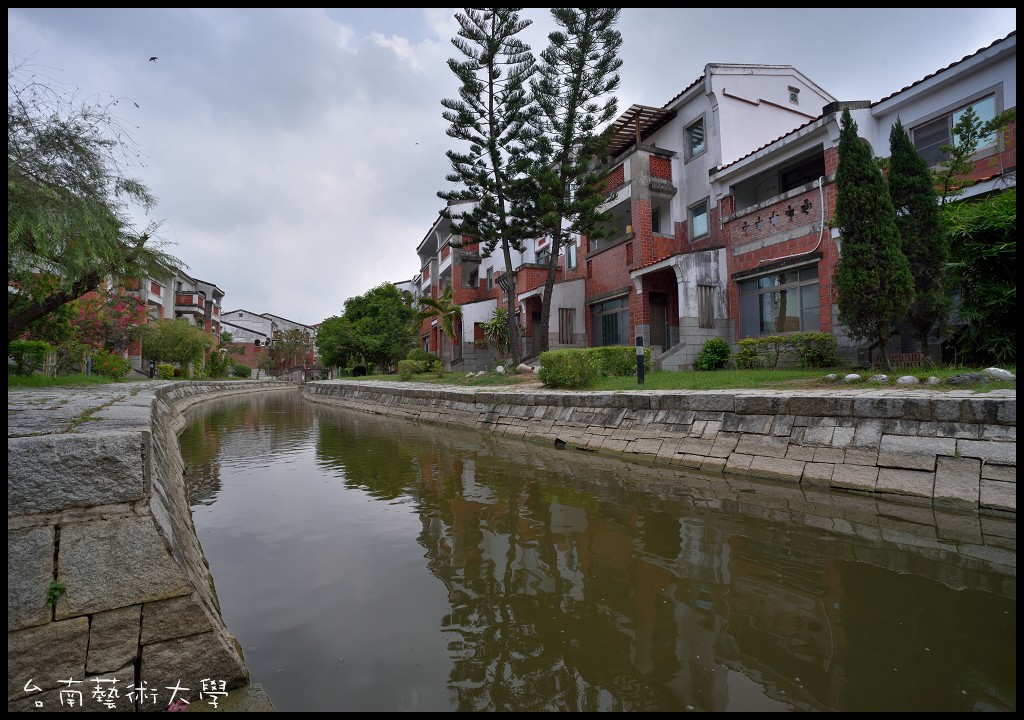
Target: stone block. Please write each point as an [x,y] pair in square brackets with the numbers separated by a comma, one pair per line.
[843,437]
[855,477]
[29,574]
[816,473]
[766,446]
[820,436]
[957,482]
[799,452]
[738,463]
[113,639]
[991,451]
[46,654]
[913,483]
[1006,473]
[92,554]
[777,469]
[53,472]
[188,661]
[998,495]
[173,618]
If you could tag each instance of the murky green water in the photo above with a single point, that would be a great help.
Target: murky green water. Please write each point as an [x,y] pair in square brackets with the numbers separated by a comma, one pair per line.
[370,564]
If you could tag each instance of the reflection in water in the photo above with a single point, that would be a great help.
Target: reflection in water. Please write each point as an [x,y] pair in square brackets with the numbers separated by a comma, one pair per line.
[376,565]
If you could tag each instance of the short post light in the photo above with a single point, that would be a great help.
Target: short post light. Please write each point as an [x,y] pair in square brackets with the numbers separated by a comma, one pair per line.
[639,359]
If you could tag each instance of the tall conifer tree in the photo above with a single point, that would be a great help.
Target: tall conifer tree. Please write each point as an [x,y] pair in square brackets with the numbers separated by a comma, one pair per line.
[922,236]
[574,91]
[491,115]
[873,280]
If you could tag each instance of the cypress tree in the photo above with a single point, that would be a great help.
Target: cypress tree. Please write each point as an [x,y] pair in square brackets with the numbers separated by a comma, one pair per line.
[873,281]
[923,238]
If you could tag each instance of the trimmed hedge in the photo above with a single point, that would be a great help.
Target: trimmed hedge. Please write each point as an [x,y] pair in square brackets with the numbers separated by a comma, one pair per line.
[809,349]
[579,368]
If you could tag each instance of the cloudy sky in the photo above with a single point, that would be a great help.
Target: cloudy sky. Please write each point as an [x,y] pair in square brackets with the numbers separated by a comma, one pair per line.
[296,154]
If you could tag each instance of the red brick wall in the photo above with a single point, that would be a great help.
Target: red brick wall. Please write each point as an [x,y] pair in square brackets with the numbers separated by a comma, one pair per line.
[661,167]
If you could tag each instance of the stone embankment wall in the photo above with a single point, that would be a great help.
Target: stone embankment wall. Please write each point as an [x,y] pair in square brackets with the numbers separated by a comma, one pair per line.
[955,449]
[96,501]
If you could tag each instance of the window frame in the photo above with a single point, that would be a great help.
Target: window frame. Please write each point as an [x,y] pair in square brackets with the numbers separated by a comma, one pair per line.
[987,145]
[691,153]
[692,215]
[795,287]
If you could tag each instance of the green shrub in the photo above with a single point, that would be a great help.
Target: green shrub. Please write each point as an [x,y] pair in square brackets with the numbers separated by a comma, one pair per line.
[574,368]
[816,349]
[422,356]
[241,371]
[71,357]
[714,355]
[28,355]
[165,371]
[619,360]
[810,349]
[408,368]
[109,364]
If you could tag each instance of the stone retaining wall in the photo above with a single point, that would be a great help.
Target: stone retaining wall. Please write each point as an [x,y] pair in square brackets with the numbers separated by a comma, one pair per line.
[96,501]
[955,449]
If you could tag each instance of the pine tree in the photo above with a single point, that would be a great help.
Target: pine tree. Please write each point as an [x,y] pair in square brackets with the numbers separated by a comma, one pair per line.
[923,238]
[873,281]
[573,89]
[492,115]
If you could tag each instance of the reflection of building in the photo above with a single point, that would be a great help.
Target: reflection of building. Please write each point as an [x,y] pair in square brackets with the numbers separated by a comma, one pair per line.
[721,201]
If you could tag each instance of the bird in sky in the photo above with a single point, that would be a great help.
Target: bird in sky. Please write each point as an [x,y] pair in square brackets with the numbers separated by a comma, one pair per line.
[153,59]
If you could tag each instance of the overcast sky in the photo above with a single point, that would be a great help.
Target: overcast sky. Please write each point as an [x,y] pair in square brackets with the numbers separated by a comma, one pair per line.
[296,154]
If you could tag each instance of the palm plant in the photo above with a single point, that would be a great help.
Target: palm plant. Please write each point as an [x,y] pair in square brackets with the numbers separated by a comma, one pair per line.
[445,309]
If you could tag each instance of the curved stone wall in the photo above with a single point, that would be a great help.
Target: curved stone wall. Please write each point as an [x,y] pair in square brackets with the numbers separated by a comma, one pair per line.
[955,449]
[96,502]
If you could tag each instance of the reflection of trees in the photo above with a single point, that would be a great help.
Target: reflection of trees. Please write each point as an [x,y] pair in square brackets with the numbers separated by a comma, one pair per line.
[568,591]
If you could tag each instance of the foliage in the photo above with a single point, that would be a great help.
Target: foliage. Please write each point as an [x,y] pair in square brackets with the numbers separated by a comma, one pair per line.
[70,357]
[69,199]
[175,341]
[28,355]
[496,332]
[217,365]
[953,177]
[108,318]
[574,92]
[336,342]
[165,371]
[815,349]
[289,347]
[616,360]
[377,327]
[445,309]
[713,355]
[241,371]
[808,349]
[873,281]
[493,200]
[984,236]
[573,368]
[408,368]
[419,353]
[923,238]
[55,592]
[265,363]
[109,364]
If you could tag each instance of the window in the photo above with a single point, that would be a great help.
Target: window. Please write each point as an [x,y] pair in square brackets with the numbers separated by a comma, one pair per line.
[699,220]
[932,135]
[566,320]
[780,302]
[473,278]
[570,255]
[794,96]
[706,306]
[695,139]
[490,278]
[611,322]
[656,220]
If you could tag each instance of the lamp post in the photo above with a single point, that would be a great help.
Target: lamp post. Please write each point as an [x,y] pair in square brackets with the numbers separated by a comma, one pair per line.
[639,359]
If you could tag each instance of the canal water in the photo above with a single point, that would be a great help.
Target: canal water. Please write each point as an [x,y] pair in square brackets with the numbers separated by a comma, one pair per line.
[371,564]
